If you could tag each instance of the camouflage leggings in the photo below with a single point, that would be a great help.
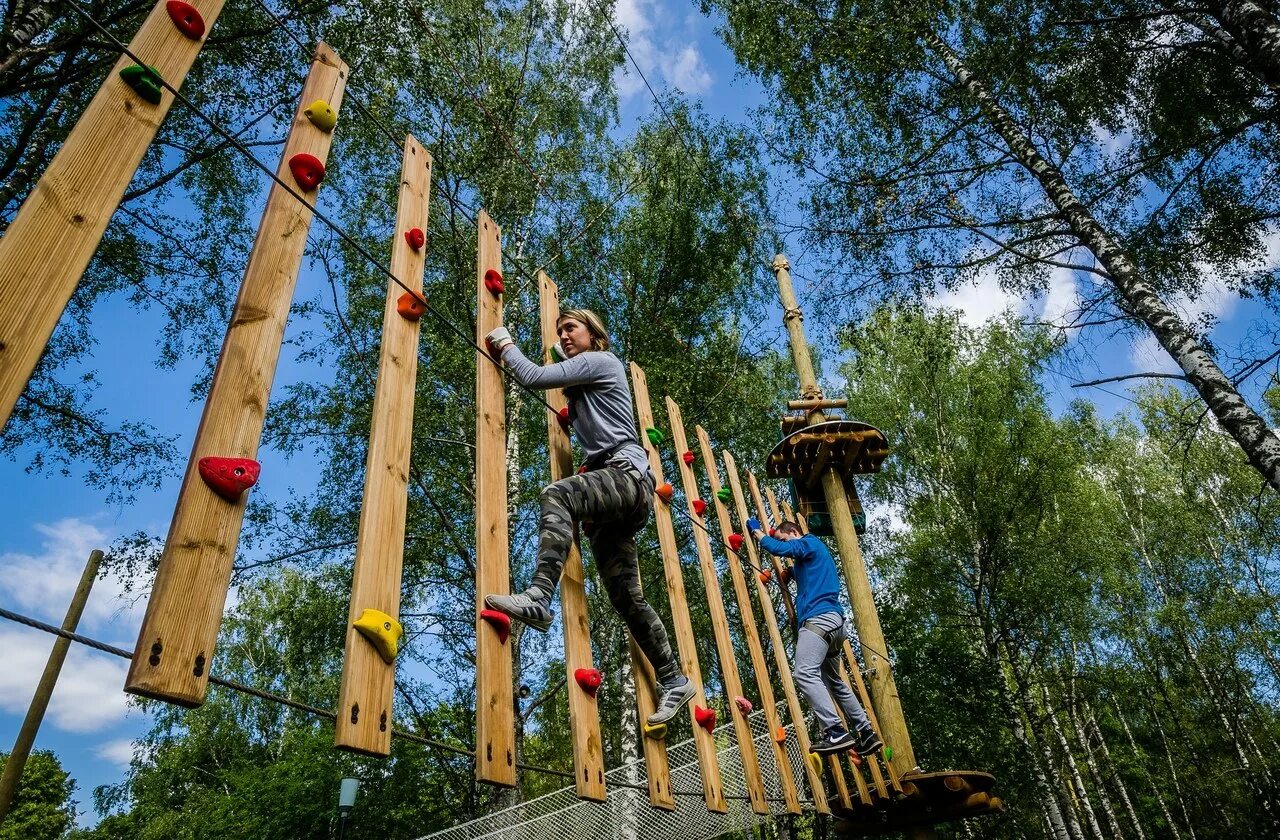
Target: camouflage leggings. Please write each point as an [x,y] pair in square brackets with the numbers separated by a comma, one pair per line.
[613,503]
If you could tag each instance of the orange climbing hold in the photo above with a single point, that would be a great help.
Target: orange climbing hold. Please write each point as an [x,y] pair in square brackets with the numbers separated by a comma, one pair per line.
[687,457]
[743,704]
[699,506]
[766,576]
[410,306]
[187,18]
[493,281]
[307,170]
[500,622]
[588,679]
[706,718]
[416,238]
[784,576]
[664,492]
[229,477]
[780,735]
[735,542]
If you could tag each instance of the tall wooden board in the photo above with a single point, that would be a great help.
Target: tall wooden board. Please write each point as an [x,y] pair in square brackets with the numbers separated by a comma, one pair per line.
[777,564]
[47,247]
[495,697]
[704,741]
[176,643]
[368,682]
[584,715]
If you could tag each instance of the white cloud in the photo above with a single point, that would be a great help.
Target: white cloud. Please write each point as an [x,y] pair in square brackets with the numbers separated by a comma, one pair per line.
[1063,298]
[667,55]
[89,695]
[979,300]
[118,751]
[689,73]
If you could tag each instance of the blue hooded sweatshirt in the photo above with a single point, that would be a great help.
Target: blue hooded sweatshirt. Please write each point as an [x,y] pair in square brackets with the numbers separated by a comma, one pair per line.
[817,584]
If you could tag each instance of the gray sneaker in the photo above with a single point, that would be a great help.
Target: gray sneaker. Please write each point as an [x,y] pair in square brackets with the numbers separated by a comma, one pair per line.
[673,697]
[534,613]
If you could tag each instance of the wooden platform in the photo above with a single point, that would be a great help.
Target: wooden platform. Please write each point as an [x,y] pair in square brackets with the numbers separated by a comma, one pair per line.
[928,799]
[852,447]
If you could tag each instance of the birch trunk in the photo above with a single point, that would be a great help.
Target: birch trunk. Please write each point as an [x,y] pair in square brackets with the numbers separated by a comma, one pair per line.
[1082,739]
[1155,788]
[1256,30]
[1062,825]
[1117,779]
[1077,783]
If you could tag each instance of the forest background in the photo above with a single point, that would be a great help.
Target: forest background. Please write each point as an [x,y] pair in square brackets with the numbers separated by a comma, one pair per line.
[1095,568]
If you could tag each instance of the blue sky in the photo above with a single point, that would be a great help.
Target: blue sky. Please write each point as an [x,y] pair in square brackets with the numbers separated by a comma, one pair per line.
[53,521]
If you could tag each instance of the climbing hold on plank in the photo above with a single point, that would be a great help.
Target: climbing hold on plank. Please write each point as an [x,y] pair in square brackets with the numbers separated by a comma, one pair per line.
[500,622]
[562,417]
[687,457]
[888,753]
[664,492]
[229,477]
[780,735]
[784,576]
[322,115]
[699,506]
[655,731]
[735,542]
[187,18]
[815,761]
[706,718]
[855,758]
[557,354]
[743,704]
[582,469]
[773,532]
[656,437]
[766,576]
[382,631]
[493,281]
[145,82]
[588,679]
[307,170]
[410,306]
[416,238]
[724,494]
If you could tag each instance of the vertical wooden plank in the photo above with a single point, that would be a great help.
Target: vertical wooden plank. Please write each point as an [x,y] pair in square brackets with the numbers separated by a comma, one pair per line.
[861,687]
[47,248]
[777,564]
[657,765]
[768,613]
[704,741]
[584,715]
[176,643]
[495,712]
[715,605]
[877,779]
[368,682]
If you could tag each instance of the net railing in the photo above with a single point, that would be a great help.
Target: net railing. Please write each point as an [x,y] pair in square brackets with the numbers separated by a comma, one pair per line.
[626,812]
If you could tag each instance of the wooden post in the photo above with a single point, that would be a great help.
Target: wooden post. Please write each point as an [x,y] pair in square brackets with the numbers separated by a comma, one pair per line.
[368,682]
[777,564]
[686,644]
[17,760]
[715,604]
[884,691]
[180,630]
[780,660]
[47,247]
[584,714]
[750,632]
[495,698]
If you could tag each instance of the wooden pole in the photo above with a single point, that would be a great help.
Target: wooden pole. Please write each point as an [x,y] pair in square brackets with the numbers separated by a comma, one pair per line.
[17,760]
[584,714]
[777,564]
[495,696]
[731,677]
[47,247]
[686,644]
[884,691]
[180,630]
[368,681]
[769,614]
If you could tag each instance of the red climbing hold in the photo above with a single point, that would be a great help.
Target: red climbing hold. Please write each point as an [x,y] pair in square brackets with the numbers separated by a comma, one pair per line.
[410,306]
[500,623]
[780,735]
[589,679]
[307,170]
[706,718]
[743,704]
[687,457]
[784,576]
[562,417]
[416,238]
[187,18]
[699,506]
[665,492]
[855,758]
[493,281]
[229,477]
[773,532]
[766,576]
[735,542]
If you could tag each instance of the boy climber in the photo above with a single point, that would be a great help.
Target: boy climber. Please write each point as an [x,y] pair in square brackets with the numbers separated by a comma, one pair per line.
[821,638]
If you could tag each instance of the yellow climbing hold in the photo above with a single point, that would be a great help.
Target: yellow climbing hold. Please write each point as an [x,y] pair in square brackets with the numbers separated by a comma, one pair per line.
[321,115]
[815,761]
[382,631]
[655,731]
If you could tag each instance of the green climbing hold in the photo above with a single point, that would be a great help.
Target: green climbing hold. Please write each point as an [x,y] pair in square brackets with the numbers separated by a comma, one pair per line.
[888,753]
[556,353]
[724,494]
[145,81]
[656,437]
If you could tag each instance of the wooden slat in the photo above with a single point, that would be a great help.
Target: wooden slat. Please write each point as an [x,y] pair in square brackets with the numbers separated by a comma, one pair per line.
[48,246]
[861,688]
[657,765]
[584,714]
[787,602]
[176,643]
[495,715]
[368,682]
[750,632]
[842,786]
[730,676]
[704,741]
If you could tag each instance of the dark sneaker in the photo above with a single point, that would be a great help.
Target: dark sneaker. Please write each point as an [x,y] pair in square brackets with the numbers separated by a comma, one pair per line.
[521,607]
[673,697]
[869,742]
[834,743]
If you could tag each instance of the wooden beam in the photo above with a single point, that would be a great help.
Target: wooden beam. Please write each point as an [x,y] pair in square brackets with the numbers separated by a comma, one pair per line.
[811,405]
[704,741]
[366,696]
[715,602]
[750,632]
[48,246]
[584,714]
[495,696]
[180,630]
[777,564]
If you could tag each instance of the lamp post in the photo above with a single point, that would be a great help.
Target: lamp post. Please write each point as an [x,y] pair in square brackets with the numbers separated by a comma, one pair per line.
[346,801]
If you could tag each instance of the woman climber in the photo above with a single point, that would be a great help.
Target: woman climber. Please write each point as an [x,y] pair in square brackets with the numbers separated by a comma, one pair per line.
[612,498]
[821,638]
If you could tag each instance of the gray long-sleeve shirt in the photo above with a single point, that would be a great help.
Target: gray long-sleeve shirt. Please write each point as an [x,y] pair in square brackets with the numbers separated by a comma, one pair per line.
[600,406]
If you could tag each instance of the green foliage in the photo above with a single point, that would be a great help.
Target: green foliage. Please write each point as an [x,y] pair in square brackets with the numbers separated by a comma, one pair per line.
[42,807]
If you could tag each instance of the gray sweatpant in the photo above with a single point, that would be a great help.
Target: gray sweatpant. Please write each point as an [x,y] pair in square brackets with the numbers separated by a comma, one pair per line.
[817,673]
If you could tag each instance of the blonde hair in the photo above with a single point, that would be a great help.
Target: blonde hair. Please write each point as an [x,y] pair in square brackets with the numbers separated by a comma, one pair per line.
[593,323]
